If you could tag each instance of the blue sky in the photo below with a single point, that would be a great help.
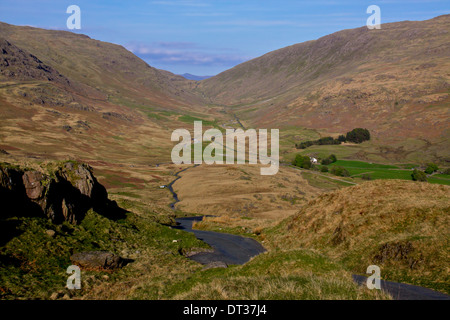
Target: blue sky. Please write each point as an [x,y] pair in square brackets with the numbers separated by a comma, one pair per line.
[206,37]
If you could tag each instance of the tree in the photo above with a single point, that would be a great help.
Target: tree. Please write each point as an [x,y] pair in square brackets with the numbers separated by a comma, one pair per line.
[431,167]
[324,169]
[358,135]
[332,158]
[302,161]
[342,138]
[418,175]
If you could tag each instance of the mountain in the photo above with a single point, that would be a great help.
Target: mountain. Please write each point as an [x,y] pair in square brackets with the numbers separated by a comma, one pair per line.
[65,94]
[194,77]
[104,67]
[393,81]
[189,76]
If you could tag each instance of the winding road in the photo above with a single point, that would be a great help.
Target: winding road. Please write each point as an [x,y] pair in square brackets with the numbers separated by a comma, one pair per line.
[403,291]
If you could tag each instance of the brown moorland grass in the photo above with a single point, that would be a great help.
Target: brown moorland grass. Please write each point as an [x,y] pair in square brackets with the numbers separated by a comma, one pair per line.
[241,191]
[401,226]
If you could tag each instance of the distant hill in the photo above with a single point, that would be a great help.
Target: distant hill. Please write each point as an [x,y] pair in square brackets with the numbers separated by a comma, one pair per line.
[194,77]
[394,81]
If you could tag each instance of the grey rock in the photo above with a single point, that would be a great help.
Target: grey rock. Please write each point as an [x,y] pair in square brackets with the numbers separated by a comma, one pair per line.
[97,260]
[64,195]
[215,264]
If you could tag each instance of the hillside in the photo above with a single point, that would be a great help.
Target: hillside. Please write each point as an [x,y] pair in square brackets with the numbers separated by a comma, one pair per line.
[109,69]
[64,95]
[400,226]
[393,81]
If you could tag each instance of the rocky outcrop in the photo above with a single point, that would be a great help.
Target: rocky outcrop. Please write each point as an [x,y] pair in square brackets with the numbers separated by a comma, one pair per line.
[64,194]
[16,63]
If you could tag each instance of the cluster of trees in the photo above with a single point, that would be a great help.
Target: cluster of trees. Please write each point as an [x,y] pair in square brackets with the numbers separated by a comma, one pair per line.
[357,135]
[305,162]
[320,142]
[339,171]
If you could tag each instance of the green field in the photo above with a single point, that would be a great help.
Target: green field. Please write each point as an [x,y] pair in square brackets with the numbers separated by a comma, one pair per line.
[361,164]
[383,171]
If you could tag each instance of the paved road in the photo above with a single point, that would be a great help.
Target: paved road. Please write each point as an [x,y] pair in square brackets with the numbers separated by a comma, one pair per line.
[403,291]
[229,248]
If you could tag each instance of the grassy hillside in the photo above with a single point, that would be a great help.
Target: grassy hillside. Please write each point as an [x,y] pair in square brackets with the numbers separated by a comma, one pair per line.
[393,81]
[64,95]
[109,70]
[400,226]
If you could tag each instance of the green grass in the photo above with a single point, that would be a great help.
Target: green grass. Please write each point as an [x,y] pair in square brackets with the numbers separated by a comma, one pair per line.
[441,175]
[276,275]
[439,180]
[190,119]
[383,171]
[361,164]
[33,264]
[156,116]
[128,194]
[323,182]
[400,226]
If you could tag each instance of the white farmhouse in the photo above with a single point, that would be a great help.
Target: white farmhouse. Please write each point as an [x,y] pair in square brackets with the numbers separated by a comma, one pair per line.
[313,160]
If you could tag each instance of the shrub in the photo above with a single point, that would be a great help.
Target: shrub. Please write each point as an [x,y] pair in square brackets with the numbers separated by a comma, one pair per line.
[366,176]
[418,175]
[332,158]
[431,167]
[304,145]
[339,171]
[324,169]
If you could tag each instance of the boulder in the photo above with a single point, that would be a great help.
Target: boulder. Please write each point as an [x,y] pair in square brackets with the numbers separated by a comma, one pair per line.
[97,260]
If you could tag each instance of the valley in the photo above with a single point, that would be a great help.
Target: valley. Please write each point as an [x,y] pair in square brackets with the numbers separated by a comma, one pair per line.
[67,98]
